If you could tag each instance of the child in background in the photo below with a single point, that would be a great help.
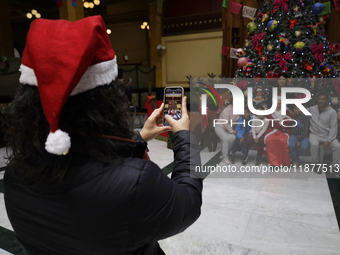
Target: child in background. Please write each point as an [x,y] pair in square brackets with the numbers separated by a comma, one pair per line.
[257,134]
[242,132]
[225,132]
[299,139]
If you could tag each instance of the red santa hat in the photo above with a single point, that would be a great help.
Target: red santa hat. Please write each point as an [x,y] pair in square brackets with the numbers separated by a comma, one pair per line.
[63,59]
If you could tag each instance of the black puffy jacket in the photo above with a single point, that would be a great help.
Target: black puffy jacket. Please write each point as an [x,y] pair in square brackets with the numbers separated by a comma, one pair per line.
[107,209]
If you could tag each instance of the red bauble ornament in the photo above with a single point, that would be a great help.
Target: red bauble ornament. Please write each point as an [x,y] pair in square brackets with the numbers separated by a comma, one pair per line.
[272,74]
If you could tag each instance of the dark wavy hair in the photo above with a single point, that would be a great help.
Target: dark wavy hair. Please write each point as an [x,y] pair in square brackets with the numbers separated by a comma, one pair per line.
[323,93]
[86,117]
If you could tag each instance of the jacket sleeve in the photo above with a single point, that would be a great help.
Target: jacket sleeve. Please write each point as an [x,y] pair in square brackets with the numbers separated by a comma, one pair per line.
[164,207]
[239,128]
[138,138]
[253,132]
[247,129]
[227,115]
[305,128]
[334,127]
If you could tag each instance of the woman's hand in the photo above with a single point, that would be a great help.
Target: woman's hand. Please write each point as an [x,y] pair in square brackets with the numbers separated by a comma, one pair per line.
[183,123]
[154,125]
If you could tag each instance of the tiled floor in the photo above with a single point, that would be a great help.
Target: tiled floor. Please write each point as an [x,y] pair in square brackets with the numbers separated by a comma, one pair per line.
[262,216]
[292,214]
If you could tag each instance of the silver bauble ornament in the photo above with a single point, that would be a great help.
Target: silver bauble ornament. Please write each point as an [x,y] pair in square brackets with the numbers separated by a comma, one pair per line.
[335,101]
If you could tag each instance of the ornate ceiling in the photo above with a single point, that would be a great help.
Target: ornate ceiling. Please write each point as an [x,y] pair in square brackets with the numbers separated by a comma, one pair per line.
[49,10]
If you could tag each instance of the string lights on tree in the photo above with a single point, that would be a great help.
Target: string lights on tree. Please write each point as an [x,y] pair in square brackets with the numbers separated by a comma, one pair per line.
[294,45]
[33,13]
[145,25]
[90,4]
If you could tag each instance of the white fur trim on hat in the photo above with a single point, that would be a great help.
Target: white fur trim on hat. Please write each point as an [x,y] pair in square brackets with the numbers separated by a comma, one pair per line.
[96,75]
[58,142]
[27,76]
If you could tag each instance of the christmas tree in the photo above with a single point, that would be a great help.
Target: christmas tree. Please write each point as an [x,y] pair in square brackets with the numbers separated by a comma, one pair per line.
[288,38]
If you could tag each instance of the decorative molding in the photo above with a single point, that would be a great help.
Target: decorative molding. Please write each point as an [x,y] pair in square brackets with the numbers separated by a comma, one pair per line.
[192,24]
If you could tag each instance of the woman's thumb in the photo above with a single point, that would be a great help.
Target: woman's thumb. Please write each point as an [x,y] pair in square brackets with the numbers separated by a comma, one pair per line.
[169,119]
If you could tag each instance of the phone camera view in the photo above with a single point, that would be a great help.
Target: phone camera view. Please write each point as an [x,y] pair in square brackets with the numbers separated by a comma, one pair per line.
[173,104]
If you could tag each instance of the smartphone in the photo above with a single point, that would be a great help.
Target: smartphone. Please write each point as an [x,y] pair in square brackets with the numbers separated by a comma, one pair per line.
[173,103]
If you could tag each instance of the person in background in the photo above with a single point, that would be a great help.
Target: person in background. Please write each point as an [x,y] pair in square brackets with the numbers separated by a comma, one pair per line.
[225,132]
[276,137]
[323,129]
[257,134]
[299,138]
[79,180]
[281,83]
[242,132]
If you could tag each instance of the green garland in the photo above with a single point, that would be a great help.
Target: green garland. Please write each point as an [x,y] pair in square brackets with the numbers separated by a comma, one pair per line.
[139,69]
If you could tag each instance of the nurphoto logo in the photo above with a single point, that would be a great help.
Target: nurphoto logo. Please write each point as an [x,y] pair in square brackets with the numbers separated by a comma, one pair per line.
[238,108]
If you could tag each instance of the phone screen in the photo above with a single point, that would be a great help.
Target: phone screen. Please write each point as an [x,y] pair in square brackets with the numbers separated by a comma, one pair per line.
[173,103]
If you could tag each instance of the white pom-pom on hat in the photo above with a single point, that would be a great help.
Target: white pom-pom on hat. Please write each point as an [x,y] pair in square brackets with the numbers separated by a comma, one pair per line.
[58,142]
